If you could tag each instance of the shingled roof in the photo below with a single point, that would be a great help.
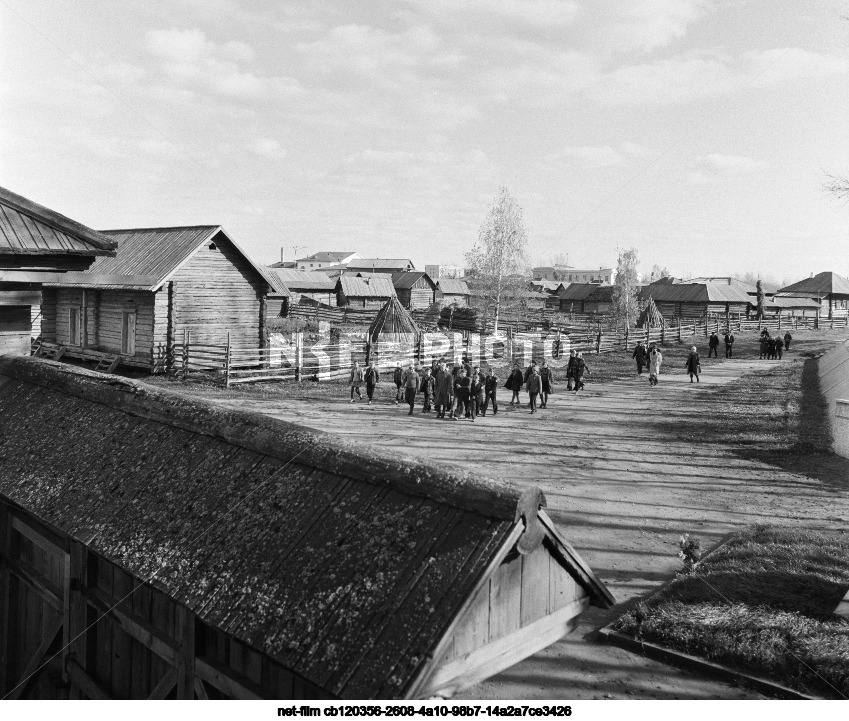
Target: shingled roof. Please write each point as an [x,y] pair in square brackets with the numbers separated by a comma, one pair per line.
[27,228]
[346,566]
[373,286]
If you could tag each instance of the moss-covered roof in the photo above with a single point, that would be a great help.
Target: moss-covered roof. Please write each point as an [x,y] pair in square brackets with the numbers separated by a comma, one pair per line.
[344,565]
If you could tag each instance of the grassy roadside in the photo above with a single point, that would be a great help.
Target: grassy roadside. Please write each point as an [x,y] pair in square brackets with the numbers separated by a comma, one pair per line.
[761,604]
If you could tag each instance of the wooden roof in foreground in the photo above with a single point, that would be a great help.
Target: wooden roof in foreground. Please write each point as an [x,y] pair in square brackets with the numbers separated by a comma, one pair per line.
[27,228]
[345,565]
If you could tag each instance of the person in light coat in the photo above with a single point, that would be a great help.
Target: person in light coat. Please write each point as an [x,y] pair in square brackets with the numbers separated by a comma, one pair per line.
[655,361]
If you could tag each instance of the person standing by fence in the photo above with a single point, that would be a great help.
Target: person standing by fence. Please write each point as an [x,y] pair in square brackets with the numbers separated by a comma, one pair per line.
[787,339]
[693,365]
[770,348]
[729,343]
[398,378]
[713,345]
[356,380]
[764,344]
[427,387]
[779,346]
[581,368]
[546,377]
[514,382]
[534,387]
[490,389]
[655,361]
[372,379]
[639,355]
[442,391]
[411,386]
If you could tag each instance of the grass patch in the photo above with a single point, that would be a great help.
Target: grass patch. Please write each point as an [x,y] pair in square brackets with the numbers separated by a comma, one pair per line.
[762,604]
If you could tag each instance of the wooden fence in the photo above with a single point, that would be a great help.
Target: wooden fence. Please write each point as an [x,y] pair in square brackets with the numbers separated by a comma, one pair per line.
[299,360]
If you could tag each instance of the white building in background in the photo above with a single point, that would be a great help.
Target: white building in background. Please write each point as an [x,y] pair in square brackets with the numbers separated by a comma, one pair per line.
[445,271]
[316,261]
[568,274]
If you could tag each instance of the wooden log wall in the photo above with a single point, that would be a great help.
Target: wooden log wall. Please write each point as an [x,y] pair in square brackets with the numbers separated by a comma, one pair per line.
[48,314]
[109,634]
[421,296]
[216,292]
[104,319]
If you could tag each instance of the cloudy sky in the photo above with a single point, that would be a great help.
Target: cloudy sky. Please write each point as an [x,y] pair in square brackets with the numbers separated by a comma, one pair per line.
[697,131]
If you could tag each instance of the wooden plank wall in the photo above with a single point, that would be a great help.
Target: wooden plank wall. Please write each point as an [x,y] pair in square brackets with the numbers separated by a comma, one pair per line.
[159,349]
[104,319]
[48,314]
[123,639]
[422,295]
[524,589]
[218,291]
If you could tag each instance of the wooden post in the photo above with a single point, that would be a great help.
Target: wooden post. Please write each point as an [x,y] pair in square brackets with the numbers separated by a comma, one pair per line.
[779,319]
[227,363]
[627,342]
[170,341]
[187,336]
[185,636]
[368,348]
[5,620]
[77,614]
[679,330]
[598,342]
[299,354]
[663,334]
[420,347]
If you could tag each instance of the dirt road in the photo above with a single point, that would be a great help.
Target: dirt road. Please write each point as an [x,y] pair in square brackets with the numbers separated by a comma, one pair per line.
[626,470]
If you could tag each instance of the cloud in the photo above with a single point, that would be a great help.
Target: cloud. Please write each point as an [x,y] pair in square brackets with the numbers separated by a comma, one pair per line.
[652,24]
[601,156]
[268,148]
[538,14]
[698,74]
[717,166]
[189,58]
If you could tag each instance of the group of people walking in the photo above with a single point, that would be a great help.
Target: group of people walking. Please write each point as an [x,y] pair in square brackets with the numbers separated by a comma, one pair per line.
[772,347]
[466,391]
[650,358]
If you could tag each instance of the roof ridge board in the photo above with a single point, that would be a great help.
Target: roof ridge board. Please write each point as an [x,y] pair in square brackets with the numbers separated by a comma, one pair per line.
[55,220]
[281,439]
[160,229]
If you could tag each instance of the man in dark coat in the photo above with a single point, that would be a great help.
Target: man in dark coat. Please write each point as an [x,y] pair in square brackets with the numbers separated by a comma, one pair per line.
[427,387]
[713,345]
[398,378]
[639,355]
[529,370]
[444,386]
[514,383]
[534,387]
[692,364]
[476,393]
[490,388]
[570,371]
[779,346]
[764,344]
[787,339]
[546,378]
[580,369]
[729,344]
[372,379]
[462,394]
[411,387]
[770,348]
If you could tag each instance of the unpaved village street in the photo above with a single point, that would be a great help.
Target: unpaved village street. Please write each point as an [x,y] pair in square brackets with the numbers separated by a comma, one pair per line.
[626,470]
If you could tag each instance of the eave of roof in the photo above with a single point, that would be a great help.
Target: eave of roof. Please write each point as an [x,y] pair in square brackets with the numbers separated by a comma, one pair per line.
[98,244]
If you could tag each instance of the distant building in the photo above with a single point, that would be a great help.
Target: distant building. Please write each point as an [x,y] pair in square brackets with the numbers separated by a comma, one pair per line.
[691,299]
[821,287]
[316,261]
[369,292]
[445,271]
[415,289]
[379,265]
[568,274]
[452,291]
[297,284]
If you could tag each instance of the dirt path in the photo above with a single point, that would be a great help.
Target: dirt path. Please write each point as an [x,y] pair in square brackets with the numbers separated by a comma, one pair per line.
[625,472]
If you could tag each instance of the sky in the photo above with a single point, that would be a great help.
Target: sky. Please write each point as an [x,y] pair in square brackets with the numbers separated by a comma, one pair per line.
[699,132]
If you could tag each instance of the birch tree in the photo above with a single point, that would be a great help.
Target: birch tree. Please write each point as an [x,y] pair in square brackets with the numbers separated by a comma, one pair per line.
[625,288]
[499,258]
